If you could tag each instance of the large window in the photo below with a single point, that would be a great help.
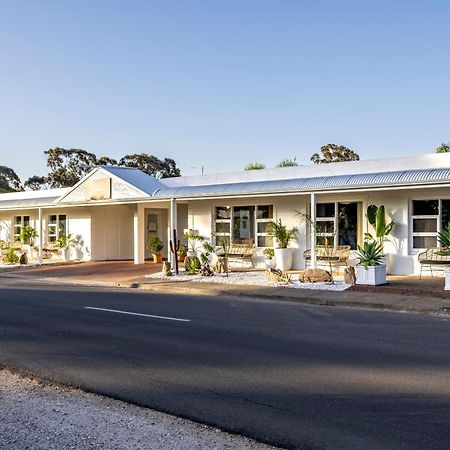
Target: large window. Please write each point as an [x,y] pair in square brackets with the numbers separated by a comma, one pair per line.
[337,224]
[19,223]
[56,227]
[428,218]
[245,224]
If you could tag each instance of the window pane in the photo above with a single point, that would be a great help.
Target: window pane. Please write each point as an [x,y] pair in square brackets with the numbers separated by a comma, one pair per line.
[325,226]
[325,240]
[52,219]
[325,210]
[18,220]
[222,227]
[223,212]
[62,226]
[265,241]
[425,207]
[244,224]
[445,213]
[424,225]
[265,212]
[264,227]
[424,242]
[348,224]
[26,220]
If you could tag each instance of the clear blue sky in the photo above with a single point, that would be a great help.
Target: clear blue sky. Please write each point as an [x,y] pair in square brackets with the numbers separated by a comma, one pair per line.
[222,83]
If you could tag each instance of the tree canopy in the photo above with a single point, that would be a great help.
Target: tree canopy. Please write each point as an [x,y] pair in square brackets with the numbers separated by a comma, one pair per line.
[9,180]
[254,166]
[334,153]
[443,148]
[288,163]
[68,166]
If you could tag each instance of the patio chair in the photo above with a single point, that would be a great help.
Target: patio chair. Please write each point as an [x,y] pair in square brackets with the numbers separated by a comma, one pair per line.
[433,257]
[332,255]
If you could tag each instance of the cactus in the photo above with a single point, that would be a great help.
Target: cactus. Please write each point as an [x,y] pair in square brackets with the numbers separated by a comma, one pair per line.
[174,248]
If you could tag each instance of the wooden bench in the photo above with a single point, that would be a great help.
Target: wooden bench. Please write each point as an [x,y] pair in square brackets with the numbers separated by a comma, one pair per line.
[239,252]
[332,255]
[434,257]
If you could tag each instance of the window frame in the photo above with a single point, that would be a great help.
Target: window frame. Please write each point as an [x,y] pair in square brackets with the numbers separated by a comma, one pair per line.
[56,225]
[24,221]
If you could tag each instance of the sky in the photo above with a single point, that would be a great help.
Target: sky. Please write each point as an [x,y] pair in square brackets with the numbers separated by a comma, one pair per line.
[222,83]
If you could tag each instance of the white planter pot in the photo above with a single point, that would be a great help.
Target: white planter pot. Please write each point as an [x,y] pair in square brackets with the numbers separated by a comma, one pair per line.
[283,258]
[447,280]
[65,254]
[28,250]
[270,263]
[373,276]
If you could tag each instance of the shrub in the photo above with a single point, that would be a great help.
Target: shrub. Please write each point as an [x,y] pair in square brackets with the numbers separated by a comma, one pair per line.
[11,257]
[370,254]
[154,244]
[281,233]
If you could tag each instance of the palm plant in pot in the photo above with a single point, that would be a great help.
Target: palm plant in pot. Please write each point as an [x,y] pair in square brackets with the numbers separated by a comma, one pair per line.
[370,269]
[283,236]
[269,258]
[65,242]
[195,242]
[28,237]
[155,245]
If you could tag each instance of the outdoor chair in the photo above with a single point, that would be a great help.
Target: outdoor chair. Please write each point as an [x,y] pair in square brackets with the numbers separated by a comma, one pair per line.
[239,252]
[331,255]
[433,257]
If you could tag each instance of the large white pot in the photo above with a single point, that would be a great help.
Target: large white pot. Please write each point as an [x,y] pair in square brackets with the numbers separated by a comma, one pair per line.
[269,263]
[447,280]
[65,254]
[283,258]
[373,275]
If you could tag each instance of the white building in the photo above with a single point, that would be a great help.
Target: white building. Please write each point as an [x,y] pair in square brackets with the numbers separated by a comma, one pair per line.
[113,209]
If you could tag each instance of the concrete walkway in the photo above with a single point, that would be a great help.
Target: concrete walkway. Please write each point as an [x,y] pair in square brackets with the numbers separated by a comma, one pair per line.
[402,294]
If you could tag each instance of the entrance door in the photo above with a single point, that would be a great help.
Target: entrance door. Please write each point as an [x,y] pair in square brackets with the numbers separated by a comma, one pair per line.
[153,226]
[347,224]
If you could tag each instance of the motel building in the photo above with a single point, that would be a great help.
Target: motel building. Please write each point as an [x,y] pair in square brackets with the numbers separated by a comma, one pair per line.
[113,210]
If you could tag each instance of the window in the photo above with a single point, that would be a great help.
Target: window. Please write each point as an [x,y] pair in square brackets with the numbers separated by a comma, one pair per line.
[244,224]
[57,227]
[428,218]
[19,223]
[337,224]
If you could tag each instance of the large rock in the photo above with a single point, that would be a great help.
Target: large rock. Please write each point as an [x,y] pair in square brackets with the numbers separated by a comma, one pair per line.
[315,276]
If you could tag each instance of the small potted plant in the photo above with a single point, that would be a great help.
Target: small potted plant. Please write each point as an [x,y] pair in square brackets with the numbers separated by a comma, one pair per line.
[269,255]
[283,236]
[182,252]
[28,236]
[64,243]
[155,245]
[370,270]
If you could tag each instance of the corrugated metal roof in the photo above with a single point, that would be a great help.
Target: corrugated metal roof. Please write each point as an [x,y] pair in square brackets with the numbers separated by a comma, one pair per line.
[27,202]
[368,180]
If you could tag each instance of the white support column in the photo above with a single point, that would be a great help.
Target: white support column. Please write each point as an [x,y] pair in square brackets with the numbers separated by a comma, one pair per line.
[139,234]
[173,226]
[41,236]
[313,231]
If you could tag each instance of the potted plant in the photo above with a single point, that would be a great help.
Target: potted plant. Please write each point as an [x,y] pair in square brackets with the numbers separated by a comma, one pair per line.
[195,242]
[28,236]
[10,256]
[64,243]
[444,250]
[182,252]
[370,269]
[283,236]
[155,245]
[269,256]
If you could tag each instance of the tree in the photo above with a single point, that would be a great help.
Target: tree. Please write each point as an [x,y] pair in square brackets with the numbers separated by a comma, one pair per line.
[288,163]
[151,165]
[254,166]
[36,182]
[443,148]
[334,153]
[9,180]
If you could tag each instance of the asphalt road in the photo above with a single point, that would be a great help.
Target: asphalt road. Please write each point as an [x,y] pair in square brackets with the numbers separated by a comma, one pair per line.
[287,374]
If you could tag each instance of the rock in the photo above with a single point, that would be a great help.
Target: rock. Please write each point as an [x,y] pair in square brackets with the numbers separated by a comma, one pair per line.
[315,276]
[350,276]
[166,268]
[23,258]
[274,274]
[221,265]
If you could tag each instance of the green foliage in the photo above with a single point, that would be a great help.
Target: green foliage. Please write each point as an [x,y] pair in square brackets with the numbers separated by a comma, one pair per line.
[154,244]
[182,250]
[65,241]
[150,164]
[194,240]
[287,163]
[444,237]
[370,254]
[334,153]
[254,166]
[269,253]
[9,180]
[281,233]
[192,265]
[376,216]
[443,148]
[28,235]
[11,257]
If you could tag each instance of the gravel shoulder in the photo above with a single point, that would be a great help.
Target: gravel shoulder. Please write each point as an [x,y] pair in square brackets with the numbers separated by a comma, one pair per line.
[38,416]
